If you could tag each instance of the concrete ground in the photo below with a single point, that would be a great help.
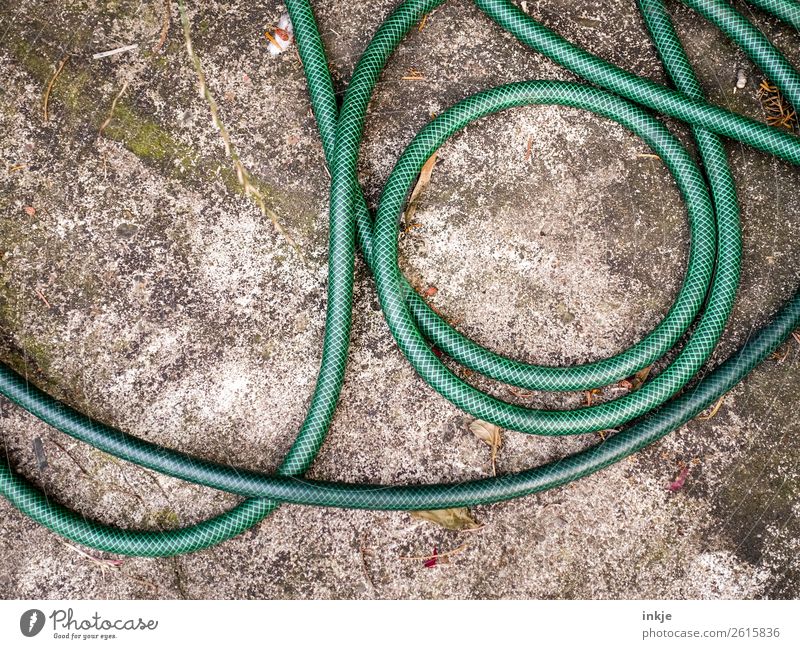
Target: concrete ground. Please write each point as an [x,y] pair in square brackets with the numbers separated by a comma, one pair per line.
[138,284]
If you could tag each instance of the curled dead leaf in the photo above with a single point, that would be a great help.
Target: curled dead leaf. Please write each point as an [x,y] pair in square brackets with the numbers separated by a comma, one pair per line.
[637,380]
[486,432]
[457,519]
[489,434]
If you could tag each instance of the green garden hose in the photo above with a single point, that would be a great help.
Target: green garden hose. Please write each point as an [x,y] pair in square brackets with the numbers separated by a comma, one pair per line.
[662,404]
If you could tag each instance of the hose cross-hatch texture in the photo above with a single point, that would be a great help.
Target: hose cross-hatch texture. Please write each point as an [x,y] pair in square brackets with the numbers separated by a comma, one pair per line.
[703,304]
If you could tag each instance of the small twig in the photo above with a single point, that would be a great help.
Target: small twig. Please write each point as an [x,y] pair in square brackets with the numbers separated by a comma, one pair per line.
[115,565]
[80,466]
[165,22]
[273,40]
[50,85]
[103,564]
[522,394]
[424,21]
[776,355]
[113,107]
[714,410]
[43,298]
[118,50]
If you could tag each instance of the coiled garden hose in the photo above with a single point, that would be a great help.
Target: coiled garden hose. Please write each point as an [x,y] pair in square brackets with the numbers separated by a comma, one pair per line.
[660,406]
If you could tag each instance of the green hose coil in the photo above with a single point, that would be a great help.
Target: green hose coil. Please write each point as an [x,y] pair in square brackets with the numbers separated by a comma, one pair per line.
[706,296]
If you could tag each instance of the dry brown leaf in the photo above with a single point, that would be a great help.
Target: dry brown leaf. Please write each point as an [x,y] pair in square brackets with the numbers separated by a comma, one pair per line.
[486,432]
[490,434]
[423,181]
[457,519]
[424,176]
[639,378]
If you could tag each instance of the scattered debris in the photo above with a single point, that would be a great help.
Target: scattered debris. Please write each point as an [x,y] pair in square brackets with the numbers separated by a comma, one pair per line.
[680,480]
[529,148]
[489,434]
[49,88]
[437,557]
[635,382]
[30,210]
[430,291]
[457,519]
[281,37]
[119,50]
[778,356]
[605,433]
[777,110]
[591,394]
[413,75]
[242,174]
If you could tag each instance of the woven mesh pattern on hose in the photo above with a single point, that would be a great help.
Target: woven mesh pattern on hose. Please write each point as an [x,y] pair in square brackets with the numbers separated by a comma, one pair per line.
[708,291]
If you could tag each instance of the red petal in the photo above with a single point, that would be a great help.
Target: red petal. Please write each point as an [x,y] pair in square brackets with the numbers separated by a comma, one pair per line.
[680,480]
[430,563]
